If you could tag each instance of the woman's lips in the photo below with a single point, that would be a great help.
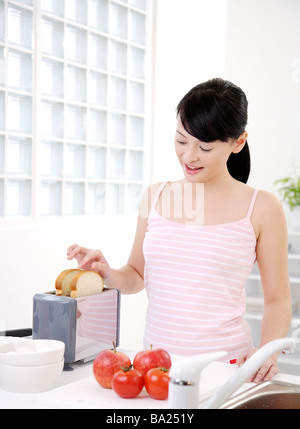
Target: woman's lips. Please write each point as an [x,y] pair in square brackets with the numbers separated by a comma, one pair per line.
[192,169]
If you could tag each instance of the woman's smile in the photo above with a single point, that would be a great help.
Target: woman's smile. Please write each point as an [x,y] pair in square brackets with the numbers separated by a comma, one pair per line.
[192,169]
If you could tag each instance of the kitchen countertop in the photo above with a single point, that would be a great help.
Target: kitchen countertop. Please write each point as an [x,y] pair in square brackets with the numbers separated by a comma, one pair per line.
[79,389]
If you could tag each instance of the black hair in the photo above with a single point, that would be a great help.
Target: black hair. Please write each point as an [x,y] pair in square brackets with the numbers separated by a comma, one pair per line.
[217,110]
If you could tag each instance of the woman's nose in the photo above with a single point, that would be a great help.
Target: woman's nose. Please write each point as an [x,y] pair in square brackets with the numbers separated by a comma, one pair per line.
[191,155]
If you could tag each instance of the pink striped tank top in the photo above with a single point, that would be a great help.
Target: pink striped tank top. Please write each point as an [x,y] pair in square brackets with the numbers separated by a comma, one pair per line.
[194,279]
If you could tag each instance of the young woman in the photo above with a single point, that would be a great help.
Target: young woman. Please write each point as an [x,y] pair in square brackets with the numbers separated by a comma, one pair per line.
[198,238]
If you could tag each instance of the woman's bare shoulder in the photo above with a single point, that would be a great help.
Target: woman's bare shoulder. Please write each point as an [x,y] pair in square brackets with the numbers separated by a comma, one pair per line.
[268,202]
[148,198]
[268,212]
[265,200]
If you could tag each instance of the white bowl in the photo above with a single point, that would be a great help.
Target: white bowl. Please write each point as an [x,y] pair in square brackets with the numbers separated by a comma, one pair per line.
[30,379]
[32,352]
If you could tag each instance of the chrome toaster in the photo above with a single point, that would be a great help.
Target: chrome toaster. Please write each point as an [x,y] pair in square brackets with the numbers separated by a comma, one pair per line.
[86,325]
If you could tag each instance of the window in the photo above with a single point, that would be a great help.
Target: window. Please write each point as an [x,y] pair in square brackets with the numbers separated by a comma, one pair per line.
[72,106]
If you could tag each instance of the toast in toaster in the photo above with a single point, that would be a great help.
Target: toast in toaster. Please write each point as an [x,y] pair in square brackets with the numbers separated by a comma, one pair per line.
[86,283]
[63,281]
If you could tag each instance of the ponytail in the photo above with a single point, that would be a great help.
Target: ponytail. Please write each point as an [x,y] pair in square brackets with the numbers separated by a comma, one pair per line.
[239,164]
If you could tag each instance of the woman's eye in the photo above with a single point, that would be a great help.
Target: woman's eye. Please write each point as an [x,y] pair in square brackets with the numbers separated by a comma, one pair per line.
[180,142]
[205,150]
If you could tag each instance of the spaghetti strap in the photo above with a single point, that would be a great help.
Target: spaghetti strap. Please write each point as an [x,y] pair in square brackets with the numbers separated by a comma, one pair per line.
[252,203]
[157,195]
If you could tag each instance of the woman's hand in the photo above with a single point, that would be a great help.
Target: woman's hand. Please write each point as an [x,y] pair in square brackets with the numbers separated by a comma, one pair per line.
[265,372]
[90,260]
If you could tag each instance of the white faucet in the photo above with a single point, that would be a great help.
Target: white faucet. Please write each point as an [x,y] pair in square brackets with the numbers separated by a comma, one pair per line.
[185,375]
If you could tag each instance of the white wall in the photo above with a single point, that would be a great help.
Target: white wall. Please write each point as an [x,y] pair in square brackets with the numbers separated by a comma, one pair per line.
[263,57]
[190,48]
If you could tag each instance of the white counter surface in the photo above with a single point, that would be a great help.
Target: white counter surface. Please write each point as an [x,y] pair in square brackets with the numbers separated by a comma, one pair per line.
[79,389]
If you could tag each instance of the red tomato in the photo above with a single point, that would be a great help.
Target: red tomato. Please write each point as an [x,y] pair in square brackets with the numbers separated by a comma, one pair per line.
[157,383]
[127,382]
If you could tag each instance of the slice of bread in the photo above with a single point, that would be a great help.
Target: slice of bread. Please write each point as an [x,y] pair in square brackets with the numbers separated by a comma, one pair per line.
[86,283]
[63,281]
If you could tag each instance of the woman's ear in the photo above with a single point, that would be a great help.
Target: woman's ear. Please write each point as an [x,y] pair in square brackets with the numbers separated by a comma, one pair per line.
[240,142]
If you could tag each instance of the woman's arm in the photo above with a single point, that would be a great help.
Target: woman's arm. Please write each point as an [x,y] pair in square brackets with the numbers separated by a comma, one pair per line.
[272,260]
[130,278]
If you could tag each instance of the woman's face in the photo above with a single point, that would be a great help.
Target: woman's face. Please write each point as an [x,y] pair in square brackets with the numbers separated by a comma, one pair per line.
[201,161]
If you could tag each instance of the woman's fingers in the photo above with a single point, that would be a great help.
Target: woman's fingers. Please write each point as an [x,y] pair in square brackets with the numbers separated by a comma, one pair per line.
[77,252]
[72,250]
[265,372]
[241,359]
[274,369]
[92,257]
[89,259]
